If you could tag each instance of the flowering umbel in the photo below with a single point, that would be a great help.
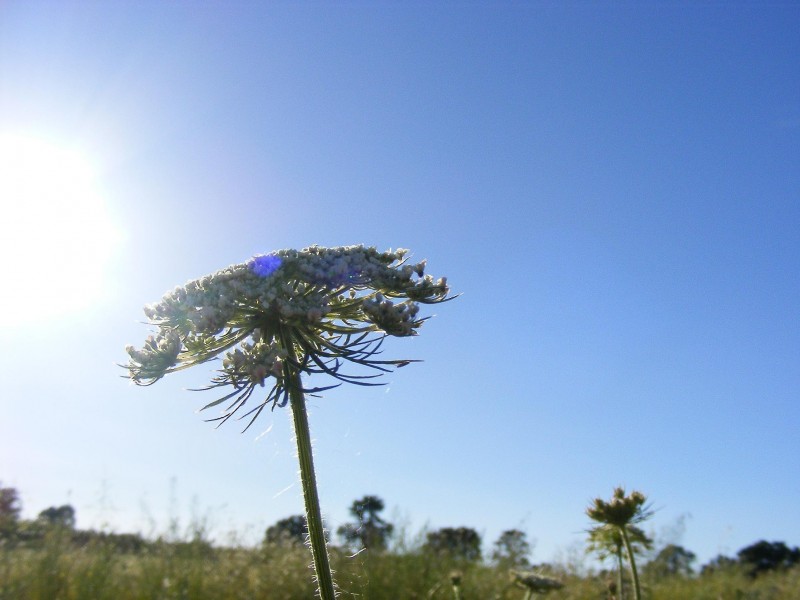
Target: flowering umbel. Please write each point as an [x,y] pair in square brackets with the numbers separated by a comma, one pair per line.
[284,313]
[617,528]
[621,511]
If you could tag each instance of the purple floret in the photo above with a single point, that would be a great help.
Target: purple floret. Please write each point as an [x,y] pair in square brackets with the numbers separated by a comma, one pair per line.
[265,265]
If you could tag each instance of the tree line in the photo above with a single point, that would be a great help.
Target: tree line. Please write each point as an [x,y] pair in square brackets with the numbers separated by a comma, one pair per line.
[369,531]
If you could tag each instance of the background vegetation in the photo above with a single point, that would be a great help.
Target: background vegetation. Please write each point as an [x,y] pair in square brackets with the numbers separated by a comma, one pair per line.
[48,558]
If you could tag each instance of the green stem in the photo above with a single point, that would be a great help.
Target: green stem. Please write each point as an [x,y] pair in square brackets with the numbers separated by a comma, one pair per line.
[620,595]
[316,532]
[637,593]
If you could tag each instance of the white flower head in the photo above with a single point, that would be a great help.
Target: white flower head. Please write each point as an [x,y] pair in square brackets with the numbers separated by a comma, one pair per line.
[310,311]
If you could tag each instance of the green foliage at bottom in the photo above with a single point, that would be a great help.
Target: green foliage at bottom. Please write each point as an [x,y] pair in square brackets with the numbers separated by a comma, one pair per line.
[59,569]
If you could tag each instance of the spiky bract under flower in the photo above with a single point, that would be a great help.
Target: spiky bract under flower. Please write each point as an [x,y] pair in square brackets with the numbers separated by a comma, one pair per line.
[290,311]
[606,540]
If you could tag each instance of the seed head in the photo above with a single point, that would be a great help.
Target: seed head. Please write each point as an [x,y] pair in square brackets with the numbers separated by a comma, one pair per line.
[535,582]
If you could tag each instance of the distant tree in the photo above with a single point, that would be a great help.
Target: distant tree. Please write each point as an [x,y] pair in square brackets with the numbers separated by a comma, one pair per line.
[511,550]
[289,531]
[10,508]
[766,556]
[671,561]
[58,516]
[124,543]
[132,543]
[370,531]
[461,542]
[719,563]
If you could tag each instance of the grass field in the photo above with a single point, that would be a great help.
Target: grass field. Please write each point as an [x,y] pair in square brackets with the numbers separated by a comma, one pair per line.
[59,567]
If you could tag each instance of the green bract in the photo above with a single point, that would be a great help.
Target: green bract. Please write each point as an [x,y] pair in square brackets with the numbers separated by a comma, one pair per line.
[307,311]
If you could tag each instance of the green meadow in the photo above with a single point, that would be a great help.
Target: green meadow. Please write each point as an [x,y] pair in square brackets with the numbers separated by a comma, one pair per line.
[49,559]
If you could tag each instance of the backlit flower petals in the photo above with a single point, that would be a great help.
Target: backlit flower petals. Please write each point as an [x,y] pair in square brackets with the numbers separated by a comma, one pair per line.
[394,319]
[159,354]
[316,308]
[252,363]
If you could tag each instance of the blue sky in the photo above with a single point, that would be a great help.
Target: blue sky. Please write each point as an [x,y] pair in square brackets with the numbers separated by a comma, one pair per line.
[612,187]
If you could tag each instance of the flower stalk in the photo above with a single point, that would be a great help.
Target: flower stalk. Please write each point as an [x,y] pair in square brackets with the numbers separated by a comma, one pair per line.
[316,531]
[637,592]
[619,572]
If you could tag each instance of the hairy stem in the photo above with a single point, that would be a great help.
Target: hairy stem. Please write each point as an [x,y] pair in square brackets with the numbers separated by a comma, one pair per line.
[316,532]
[637,593]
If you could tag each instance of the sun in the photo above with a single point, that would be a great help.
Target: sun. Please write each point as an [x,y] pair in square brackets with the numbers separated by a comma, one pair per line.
[56,237]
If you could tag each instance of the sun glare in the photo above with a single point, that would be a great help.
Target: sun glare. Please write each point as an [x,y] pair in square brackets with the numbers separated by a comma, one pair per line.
[56,236]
